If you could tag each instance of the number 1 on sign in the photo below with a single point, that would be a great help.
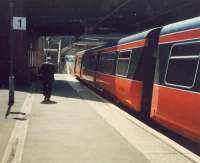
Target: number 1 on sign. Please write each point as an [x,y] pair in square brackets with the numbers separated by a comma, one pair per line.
[20,23]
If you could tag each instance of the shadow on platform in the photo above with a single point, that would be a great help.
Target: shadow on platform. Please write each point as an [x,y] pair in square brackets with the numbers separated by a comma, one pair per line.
[62,88]
[49,102]
[17,113]
[20,119]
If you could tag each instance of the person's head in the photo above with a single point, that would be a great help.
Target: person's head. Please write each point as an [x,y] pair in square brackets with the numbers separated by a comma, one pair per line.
[48,59]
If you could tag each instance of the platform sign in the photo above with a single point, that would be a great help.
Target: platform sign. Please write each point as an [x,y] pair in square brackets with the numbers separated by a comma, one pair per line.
[19,23]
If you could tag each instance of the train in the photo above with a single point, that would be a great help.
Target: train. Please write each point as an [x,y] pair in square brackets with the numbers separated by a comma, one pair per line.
[155,73]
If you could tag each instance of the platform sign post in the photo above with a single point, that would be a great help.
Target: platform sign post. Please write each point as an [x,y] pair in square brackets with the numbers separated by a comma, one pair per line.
[11,77]
[19,24]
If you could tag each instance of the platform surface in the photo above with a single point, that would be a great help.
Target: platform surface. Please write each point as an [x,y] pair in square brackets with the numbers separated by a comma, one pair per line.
[77,126]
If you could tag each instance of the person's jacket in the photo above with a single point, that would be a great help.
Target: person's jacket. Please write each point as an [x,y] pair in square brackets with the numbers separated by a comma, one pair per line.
[47,71]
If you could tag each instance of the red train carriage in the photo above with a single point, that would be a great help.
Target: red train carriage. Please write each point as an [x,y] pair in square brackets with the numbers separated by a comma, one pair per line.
[176,92]
[125,70]
[152,72]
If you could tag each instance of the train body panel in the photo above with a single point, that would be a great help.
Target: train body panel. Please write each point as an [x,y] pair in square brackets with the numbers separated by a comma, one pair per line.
[125,90]
[129,92]
[88,76]
[176,93]
[177,109]
[105,82]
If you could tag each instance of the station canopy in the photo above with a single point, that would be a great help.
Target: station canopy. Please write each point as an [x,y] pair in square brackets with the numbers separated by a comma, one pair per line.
[57,17]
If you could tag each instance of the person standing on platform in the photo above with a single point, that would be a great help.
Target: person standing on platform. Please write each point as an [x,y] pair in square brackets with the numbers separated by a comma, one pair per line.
[46,73]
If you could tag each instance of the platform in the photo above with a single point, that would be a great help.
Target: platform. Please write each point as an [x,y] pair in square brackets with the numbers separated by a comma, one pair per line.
[78,126]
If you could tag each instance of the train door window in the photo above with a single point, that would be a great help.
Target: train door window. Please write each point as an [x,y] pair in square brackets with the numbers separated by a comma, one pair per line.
[107,63]
[83,62]
[123,62]
[183,65]
[90,62]
[86,61]
[93,62]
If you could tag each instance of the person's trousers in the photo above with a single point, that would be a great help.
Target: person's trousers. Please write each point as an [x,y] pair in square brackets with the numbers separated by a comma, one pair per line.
[47,88]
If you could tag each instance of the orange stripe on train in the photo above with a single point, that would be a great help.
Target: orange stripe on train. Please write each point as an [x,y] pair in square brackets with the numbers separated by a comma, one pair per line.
[126,46]
[180,36]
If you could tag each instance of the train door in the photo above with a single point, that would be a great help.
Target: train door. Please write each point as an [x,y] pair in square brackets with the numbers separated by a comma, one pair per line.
[82,67]
[96,68]
[77,67]
[123,84]
[149,57]
[92,69]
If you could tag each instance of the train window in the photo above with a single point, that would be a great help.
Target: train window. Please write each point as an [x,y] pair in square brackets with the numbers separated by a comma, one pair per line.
[89,62]
[123,63]
[107,63]
[83,62]
[92,62]
[183,64]
[186,50]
